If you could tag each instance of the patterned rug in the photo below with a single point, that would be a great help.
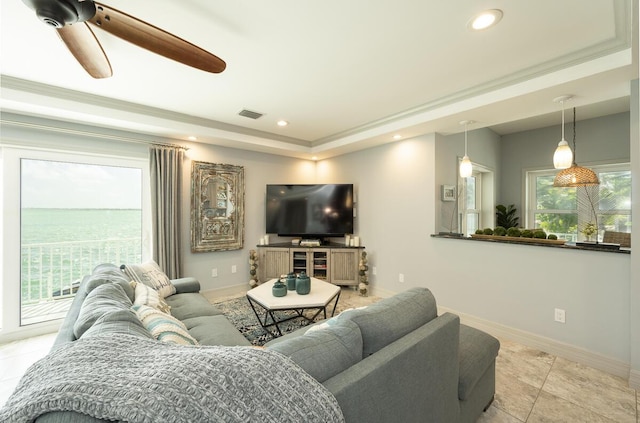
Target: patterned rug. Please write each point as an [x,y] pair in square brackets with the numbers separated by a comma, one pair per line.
[241,315]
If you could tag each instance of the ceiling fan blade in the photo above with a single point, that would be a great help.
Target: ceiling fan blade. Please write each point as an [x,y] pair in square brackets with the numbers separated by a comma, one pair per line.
[86,48]
[155,39]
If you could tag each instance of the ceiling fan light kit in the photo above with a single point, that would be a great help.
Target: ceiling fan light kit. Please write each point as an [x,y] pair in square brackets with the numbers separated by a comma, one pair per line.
[87,50]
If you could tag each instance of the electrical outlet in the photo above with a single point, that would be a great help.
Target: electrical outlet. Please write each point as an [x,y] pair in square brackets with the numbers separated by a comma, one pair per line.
[560,315]
[401,277]
[234,269]
[374,270]
[214,273]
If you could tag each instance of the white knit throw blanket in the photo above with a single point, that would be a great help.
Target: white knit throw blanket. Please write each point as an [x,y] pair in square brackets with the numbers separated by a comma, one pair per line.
[132,379]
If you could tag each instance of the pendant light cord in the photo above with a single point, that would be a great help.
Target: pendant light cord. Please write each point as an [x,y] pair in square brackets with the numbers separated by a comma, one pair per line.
[465,139]
[574,135]
[562,102]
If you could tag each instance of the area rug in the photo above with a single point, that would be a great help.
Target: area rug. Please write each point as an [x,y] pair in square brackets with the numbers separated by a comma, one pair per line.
[241,315]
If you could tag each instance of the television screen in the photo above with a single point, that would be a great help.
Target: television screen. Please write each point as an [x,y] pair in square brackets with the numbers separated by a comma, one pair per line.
[309,210]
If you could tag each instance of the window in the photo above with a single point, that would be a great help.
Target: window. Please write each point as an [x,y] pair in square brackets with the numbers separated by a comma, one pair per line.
[73,217]
[471,203]
[566,211]
[63,214]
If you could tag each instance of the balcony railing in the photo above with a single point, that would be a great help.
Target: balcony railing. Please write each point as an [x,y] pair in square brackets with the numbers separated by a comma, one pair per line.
[52,271]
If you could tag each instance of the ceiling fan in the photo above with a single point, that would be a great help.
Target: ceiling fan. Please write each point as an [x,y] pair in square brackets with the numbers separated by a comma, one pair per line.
[70,18]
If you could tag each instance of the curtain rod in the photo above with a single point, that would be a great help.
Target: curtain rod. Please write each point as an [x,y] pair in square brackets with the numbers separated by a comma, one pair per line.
[91,134]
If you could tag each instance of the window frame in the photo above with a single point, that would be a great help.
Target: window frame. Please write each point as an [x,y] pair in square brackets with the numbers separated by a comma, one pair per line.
[10,248]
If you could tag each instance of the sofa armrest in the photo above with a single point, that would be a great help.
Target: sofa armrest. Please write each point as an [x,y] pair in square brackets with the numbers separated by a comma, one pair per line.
[184,285]
[412,379]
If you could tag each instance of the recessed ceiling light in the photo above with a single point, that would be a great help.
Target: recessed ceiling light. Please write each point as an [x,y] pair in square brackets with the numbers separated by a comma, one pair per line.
[282,123]
[485,19]
[397,136]
[314,158]
[192,138]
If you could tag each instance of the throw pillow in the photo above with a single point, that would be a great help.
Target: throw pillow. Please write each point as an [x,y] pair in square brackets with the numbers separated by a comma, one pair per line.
[145,295]
[149,273]
[163,326]
[325,353]
[104,298]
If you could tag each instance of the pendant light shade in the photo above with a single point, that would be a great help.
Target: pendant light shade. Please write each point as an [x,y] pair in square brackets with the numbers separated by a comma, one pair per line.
[563,157]
[575,176]
[466,168]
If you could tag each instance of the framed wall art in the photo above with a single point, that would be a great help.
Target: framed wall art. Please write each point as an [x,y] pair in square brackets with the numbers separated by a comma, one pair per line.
[217,207]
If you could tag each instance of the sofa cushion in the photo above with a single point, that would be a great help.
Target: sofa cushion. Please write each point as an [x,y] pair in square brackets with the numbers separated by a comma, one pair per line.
[325,352]
[104,274]
[163,326]
[189,305]
[118,322]
[215,330]
[145,295]
[102,299]
[150,274]
[390,319]
[477,351]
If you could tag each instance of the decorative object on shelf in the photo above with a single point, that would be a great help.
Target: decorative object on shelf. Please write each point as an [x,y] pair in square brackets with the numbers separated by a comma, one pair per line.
[363,286]
[291,281]
[303,284]
[217,207]
[279,289]
[563,156]
[575,176]
[535,236]
[253,268]
[466,168]
[590,229]
[506,216]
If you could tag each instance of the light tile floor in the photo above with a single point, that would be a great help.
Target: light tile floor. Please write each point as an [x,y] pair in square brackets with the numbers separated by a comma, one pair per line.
[531,386]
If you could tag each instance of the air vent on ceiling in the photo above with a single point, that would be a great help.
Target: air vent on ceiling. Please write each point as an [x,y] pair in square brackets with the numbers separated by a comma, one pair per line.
[250,114]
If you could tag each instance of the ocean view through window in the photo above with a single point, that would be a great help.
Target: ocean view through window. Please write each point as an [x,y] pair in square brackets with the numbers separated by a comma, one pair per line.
[73,217]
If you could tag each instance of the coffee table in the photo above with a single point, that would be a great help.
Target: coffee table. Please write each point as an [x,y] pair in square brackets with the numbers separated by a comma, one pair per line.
[321,295]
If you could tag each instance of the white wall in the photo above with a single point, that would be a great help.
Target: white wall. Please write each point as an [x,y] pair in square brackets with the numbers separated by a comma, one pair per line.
[259,170]
[513,287]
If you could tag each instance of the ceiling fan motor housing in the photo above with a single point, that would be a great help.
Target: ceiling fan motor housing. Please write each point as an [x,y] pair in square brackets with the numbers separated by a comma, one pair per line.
[59,13]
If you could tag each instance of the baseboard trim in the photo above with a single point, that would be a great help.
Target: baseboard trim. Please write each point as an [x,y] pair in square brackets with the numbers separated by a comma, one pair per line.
[226,291]
[548,345]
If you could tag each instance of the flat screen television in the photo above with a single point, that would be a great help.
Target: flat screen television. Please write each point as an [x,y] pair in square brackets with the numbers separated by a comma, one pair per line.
[310,211]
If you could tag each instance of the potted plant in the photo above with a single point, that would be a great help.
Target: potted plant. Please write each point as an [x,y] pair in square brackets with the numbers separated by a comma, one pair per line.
[506,216]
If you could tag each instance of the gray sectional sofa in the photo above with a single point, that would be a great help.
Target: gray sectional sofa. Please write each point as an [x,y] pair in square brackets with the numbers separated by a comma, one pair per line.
[393,361]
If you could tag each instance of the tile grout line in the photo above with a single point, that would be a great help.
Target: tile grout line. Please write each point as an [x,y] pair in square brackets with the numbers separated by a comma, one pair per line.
[541,387]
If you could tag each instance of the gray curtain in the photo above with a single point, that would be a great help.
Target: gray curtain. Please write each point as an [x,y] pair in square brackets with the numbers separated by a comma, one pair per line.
[166,200]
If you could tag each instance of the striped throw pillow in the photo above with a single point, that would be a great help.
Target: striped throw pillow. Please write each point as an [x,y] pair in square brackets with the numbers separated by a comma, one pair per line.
[163,326]
[144,295]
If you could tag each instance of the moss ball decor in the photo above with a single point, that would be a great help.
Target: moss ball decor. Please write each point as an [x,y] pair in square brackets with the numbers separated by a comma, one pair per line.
[552,236]
[479,231]
[514,232]
[540,234]
[487,231]
[527,233]
[500,231]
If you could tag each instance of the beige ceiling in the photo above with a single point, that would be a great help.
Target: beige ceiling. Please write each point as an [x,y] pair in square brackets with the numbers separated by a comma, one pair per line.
[346,74]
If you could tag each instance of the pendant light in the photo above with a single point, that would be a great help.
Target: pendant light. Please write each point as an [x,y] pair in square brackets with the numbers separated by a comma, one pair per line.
[563,157]
[466,168]
[575,176]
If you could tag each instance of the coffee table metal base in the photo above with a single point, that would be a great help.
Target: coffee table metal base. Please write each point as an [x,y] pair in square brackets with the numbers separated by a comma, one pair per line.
[268,317]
